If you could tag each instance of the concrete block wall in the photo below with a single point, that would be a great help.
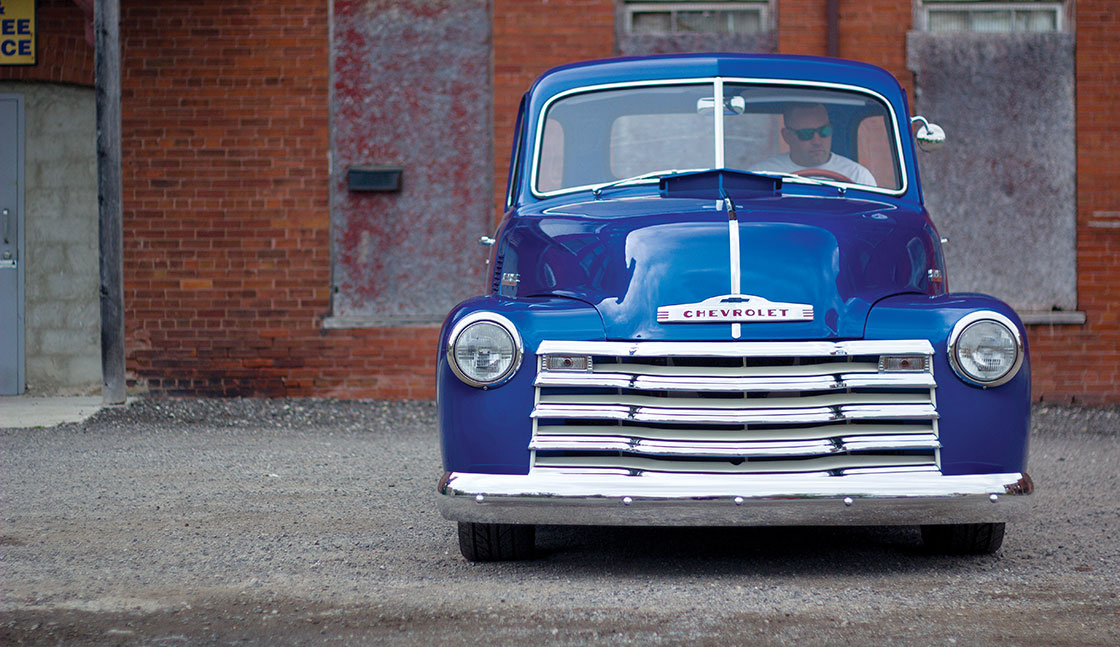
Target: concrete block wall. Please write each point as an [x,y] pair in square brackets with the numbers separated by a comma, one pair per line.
[63,330]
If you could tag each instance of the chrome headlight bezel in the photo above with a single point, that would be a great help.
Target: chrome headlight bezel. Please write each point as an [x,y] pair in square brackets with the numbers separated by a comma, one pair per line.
[963,324]
[484,318]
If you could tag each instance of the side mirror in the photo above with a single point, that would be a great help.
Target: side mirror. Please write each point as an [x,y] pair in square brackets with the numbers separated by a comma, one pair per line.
[930,136]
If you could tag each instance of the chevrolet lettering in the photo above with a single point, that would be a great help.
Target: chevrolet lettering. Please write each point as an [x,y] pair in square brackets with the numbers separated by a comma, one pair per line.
[716,298]
[735,308]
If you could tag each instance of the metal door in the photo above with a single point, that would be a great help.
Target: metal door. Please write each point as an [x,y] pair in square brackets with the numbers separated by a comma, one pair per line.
[11,244]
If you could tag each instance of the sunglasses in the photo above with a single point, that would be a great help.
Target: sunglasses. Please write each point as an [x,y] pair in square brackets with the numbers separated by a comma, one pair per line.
[805,134]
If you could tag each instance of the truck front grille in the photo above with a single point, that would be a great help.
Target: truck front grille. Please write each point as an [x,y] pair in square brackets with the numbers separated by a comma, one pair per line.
[734,407]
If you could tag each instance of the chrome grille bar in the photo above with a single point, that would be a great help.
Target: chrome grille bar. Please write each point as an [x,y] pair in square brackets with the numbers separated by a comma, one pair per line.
[731,450]
[686,416]
[739,384]
[738,349]
[727,415]
[676,370]
[742,433]
[647,401]
[683,448]
[815,464]
[734,407]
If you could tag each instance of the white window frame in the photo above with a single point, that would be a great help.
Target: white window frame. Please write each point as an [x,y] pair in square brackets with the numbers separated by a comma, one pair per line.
[631,8]
[1057,7]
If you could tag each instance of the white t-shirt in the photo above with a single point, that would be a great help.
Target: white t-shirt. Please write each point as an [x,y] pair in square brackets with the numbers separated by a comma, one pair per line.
[836,163]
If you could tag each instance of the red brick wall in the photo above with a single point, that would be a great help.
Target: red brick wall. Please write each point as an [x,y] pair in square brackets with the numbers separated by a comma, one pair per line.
[876,33]
[802,27]
[531,36]
[227,260]
[226,214]
[872,32]
[63,54]
[1082,363]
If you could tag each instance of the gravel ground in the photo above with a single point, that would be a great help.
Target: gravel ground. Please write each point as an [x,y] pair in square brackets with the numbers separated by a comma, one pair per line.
[258,522]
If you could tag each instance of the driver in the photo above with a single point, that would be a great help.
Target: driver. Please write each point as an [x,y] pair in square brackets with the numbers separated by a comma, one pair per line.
[808,132]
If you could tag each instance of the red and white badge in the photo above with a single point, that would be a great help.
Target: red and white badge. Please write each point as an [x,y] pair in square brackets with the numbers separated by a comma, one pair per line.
[735,308]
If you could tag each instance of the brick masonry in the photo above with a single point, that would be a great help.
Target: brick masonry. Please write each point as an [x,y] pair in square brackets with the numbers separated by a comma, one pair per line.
[1081,363]
[226,181]
[226,219]
[530,37]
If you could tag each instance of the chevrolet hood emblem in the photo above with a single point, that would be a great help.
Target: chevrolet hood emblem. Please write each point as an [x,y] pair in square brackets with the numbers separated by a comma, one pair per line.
[735,308]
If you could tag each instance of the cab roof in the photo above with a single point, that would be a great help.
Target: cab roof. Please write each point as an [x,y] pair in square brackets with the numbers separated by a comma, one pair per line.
[686,66]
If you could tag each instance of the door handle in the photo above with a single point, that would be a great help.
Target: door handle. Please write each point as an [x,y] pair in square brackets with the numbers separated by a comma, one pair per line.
[6,259]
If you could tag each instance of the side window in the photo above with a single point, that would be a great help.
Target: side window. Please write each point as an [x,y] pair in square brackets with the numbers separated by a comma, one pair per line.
[874,151]
[514,176]
[551,174]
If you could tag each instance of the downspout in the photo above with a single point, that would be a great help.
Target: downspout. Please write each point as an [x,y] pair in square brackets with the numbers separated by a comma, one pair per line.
[832,9]
[107,81]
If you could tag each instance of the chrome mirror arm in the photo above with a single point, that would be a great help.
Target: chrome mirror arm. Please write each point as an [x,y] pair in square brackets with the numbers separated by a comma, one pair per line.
[930,136]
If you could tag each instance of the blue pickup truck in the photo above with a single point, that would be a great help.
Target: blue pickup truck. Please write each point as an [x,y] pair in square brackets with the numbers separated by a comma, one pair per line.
[716,299]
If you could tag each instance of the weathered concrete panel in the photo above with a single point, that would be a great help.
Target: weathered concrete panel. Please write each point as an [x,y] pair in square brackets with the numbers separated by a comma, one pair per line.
[63,348]
[1003,188]
[412,88]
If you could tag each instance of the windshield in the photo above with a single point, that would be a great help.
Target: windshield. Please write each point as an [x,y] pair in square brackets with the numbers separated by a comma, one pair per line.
[598,137]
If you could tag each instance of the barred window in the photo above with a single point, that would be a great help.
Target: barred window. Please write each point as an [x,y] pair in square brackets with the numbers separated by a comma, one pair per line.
[984,16]
[661,18]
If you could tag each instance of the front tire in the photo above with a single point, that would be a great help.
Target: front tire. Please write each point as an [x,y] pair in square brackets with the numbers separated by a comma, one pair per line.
[496,542]
[963,538]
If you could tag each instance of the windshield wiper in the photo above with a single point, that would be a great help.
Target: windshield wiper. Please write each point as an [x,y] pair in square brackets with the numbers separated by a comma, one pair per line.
[598,191]
[804,179]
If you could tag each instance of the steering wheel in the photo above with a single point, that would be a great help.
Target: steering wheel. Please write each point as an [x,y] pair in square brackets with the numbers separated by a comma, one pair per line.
[823,173]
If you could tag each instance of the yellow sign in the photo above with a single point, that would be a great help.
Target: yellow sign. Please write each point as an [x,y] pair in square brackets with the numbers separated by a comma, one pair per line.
[17,32]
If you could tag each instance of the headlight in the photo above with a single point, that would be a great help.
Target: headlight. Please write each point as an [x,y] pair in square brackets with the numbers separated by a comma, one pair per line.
[985,349]
[484,349]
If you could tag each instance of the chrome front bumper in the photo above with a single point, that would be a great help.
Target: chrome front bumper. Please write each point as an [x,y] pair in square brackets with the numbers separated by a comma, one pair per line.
[663,499]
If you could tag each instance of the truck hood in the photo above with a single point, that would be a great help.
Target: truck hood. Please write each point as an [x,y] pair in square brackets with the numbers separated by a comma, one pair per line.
[835,256]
